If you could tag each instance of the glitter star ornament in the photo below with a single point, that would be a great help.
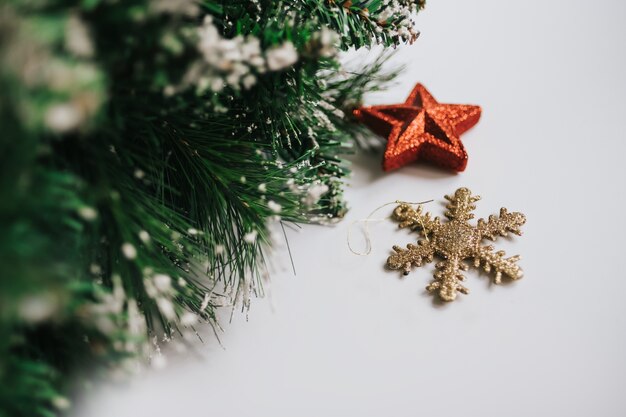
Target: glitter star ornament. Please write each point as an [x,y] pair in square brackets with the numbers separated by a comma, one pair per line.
[421,129]
[454,241]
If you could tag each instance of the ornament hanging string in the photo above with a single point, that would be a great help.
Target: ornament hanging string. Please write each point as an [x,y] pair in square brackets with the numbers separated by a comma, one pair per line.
[366,221]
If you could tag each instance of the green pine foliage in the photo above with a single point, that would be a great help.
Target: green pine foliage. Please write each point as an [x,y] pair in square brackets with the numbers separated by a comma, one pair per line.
[147,147]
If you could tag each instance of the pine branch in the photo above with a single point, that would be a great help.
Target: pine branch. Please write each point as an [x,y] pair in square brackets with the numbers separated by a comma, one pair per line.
[149,150]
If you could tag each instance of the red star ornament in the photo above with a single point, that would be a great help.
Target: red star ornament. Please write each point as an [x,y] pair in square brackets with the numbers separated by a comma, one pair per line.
[421,129]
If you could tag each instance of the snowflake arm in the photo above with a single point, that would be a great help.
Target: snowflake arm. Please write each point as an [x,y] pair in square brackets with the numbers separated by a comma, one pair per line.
[461,205]
[501,225]
[448,278]
[496,261]
[414,255]
[416,219]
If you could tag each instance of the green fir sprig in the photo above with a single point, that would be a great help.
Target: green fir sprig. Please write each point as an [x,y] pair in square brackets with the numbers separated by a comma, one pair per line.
[147,148]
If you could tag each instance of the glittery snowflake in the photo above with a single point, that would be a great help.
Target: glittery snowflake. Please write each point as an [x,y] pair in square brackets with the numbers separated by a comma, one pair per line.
[455,241]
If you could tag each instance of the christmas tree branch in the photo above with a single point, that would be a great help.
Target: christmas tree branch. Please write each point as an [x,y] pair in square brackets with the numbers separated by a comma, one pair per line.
[149,146]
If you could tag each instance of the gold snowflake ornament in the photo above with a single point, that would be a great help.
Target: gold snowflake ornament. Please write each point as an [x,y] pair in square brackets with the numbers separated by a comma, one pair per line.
[455,241]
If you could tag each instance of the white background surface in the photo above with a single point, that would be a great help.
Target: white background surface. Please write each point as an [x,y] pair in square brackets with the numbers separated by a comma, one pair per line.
[345,337]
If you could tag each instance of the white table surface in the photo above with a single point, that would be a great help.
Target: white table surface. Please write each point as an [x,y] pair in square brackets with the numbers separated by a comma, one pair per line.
[345,337]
